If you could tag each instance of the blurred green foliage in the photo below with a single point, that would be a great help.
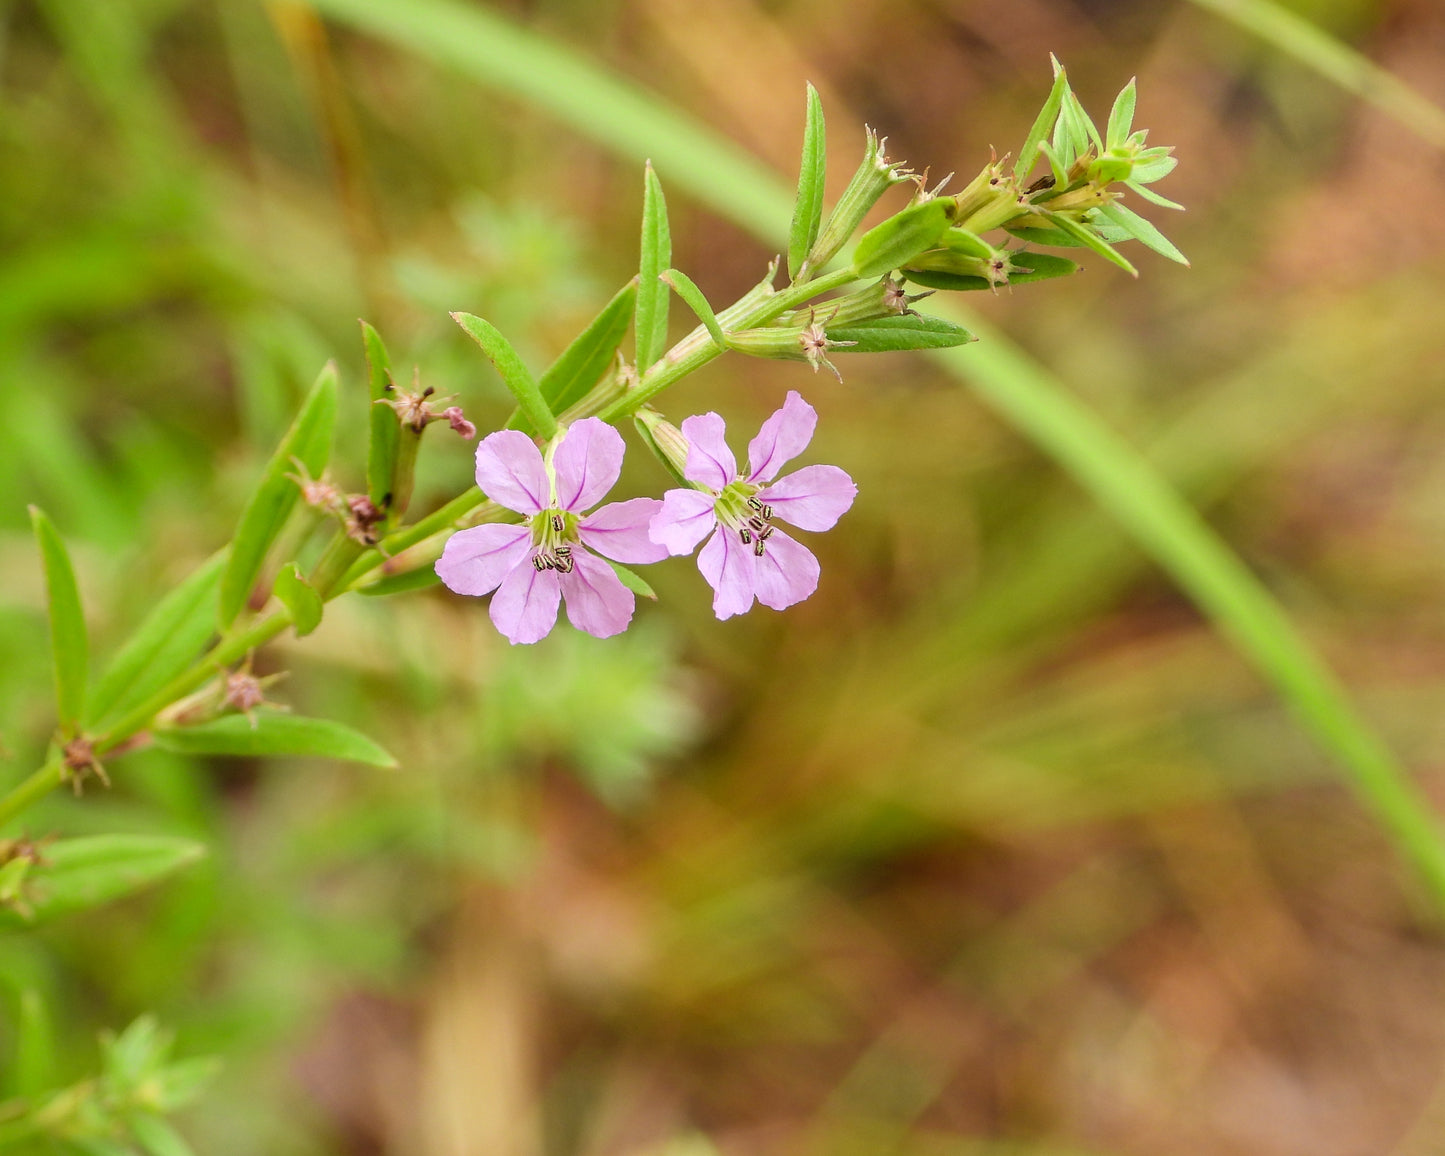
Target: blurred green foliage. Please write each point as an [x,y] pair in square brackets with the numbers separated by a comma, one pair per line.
[991,847]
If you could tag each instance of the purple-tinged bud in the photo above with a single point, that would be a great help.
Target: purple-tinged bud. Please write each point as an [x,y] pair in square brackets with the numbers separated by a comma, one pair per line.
[365,517]
[458,422]
[664,439]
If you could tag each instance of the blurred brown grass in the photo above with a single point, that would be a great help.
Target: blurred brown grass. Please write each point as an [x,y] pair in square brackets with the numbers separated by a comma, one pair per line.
[992,846]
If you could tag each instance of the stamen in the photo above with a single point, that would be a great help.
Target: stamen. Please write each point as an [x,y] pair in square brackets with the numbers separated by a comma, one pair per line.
[766,534]
[557,522]
[756,523]
[759,547]
[563,551]
[538,563]
[745,534]
[565,564]
[767,512]
[755,504]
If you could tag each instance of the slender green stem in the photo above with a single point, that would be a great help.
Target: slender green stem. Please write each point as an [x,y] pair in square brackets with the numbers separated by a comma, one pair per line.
[33,789]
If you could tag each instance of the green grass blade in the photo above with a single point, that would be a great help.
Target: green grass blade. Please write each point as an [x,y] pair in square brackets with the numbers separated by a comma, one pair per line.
[579,367]
[515,375]
[652,294]
[69,646]
[617,114]
[162,646]
[385,436]
[307,441]
[808,205]
[1352,71]
[272,733]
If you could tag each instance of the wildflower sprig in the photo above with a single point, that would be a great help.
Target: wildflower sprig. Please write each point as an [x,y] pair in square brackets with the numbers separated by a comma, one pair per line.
[531,535]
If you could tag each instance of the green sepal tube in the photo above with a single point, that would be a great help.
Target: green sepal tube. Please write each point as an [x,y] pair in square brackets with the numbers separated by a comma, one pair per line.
[862,305]
[665,441]
[874,177]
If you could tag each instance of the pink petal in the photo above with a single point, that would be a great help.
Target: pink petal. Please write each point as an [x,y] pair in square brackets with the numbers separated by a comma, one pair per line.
[783,437]
[597,602]
[475,561]
[813,498]
[525,607]
[510,471]
[684,521]
[709,460]
[619,530]
[586,463]
[786,573]
[728,566]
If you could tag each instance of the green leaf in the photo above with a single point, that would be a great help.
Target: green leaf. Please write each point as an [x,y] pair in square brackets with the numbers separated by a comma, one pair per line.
[652,294]
[683,285]
[1121,117]
[308,441]
[591,354]
[178,1083]
[156,1135]
[299,597]
[275,733]
[902,237]
[1039,267]
[82,873]
[1142,230]
[163,645]
[1150,195]
[808,206]
[1043,123]
[1090,240]
[69,648]
[515,375]
[893,334]
[632,581]
[421,578]
[385,425]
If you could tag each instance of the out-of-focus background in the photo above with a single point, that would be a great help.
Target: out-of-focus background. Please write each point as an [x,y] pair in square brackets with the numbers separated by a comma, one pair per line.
[993,846]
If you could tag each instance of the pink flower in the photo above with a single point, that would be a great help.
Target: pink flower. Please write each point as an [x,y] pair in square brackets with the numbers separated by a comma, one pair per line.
[548,557]
[748,557]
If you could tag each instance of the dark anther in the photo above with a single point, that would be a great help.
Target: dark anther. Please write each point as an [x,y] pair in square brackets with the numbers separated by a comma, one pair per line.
[557,522]
[746,535]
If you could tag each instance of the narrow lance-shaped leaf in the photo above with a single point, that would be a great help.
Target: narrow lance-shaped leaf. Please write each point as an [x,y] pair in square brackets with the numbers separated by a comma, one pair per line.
[68,645]
[1043,123]
[273,733]
[581,365]
[385,425]
[896,241]
[652,294]
[1090,240]
[299,597]
[78,874]
[1121,116]
[307,441]
[808,205]
[894,334]
[690,293]
[163,645]
[156,1135]
[515,375]
[1150,195]
[632,581]
[1142,230]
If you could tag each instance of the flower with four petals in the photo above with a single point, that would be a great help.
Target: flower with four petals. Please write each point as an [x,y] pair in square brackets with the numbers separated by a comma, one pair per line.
[548,558]
[748,557]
